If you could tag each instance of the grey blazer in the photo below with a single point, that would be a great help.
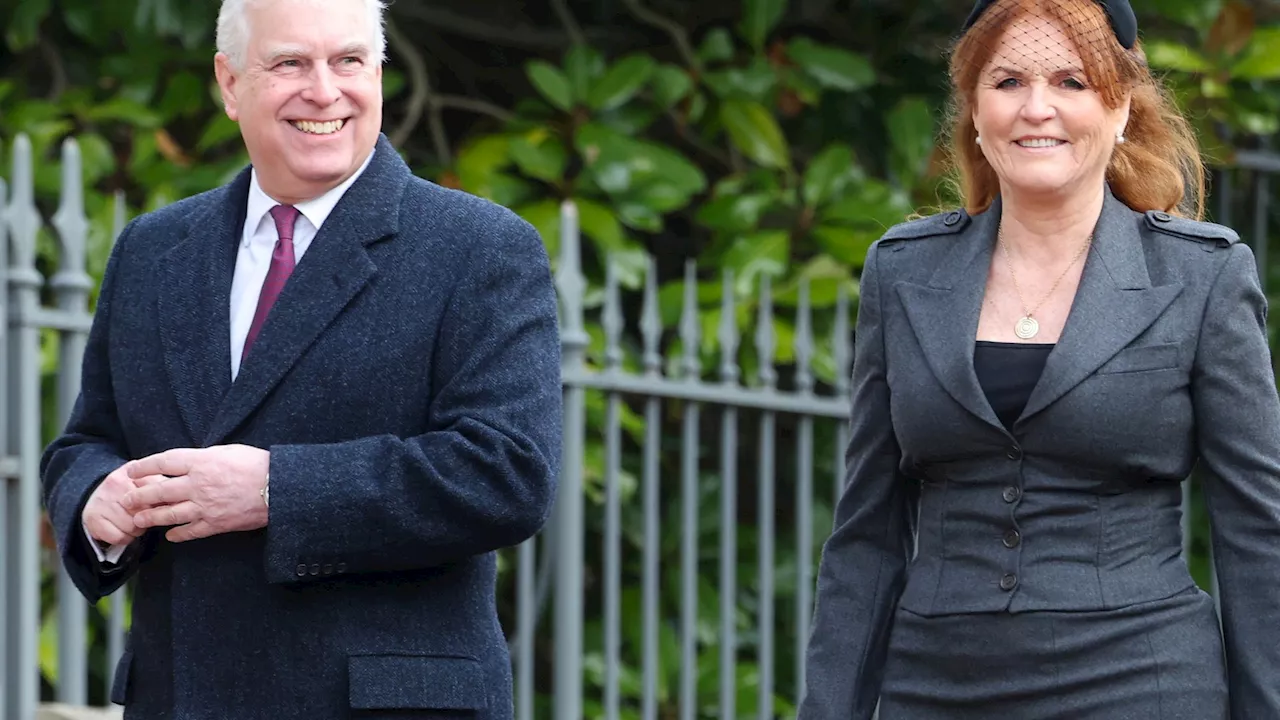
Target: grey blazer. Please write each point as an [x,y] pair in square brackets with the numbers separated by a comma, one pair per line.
[1163,363]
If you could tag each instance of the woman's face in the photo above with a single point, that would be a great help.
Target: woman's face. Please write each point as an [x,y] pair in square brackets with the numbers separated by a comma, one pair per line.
[1043,129]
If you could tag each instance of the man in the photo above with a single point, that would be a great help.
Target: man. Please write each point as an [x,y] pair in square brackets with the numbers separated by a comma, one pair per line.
[315,401]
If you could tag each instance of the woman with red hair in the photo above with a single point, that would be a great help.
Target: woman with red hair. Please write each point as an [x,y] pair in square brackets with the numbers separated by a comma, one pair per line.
[1035,375]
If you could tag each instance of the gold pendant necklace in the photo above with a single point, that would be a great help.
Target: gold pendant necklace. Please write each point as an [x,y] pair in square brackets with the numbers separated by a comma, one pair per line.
[1027,326]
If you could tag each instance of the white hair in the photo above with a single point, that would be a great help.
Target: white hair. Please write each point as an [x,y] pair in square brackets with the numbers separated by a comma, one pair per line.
[233,29]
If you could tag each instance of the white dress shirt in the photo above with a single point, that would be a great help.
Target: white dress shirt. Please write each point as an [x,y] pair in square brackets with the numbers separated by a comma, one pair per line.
[253,259]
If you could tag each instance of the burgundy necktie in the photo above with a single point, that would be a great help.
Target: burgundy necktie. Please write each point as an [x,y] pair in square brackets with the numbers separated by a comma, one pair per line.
[281,266]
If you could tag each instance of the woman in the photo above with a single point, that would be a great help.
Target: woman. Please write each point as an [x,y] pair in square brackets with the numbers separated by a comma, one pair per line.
[1034,377]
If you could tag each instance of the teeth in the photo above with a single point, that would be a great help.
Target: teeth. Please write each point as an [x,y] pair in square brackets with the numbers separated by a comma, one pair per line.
[1040,143]
[319,128]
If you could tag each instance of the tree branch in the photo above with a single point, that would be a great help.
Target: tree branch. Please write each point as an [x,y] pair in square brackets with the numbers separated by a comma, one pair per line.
[570,24]
[481,107]
[516,36]
[420,94]
[678,34]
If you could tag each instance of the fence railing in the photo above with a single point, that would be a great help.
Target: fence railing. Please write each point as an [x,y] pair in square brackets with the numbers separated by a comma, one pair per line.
[612,654]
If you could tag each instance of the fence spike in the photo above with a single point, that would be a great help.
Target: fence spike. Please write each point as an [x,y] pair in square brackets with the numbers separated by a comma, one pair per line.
[840,342]
[24,218]
[765,342]
[651,321]
[804,341]
[572,286]
[689,324]
[611,318]
[728,332]
[72,224]
[118,216]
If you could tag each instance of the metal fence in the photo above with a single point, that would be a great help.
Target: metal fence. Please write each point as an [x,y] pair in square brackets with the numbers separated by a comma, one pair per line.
[549,571]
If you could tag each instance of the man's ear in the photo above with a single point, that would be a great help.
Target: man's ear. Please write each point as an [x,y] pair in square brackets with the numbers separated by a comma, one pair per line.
[227,79]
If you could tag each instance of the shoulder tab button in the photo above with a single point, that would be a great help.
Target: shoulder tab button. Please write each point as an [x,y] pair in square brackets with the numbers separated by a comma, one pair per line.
[1162,216]
[952,217]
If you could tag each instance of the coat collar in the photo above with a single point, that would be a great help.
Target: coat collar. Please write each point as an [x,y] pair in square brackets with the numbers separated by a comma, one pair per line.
[195,283]
[1114,303]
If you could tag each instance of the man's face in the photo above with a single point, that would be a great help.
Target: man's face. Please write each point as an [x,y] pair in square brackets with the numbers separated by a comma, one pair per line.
[309,97]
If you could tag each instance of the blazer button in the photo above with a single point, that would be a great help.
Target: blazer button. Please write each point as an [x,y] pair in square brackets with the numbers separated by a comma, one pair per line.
[1012,539]
[1011,494]
[1008,582]
[301,570]
[326,570]
[1013,452]
[341,568]
[315,569]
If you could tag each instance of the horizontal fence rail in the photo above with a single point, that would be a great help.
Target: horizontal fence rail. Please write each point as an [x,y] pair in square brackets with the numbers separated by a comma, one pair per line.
[649,594]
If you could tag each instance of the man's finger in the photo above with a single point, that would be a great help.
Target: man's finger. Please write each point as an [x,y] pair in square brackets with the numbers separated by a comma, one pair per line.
[169,492]
[168,515]
[101,529]
[194,531]
[150,480]
[169,462]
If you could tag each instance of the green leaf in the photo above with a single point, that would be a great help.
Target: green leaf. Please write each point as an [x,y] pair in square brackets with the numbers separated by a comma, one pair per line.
[479,159]
[759,17]
[601,224]
[639,217]
[870,204]
[911,138]
[539,154]
[847,245]
[183,97]
[755,132]
[832,67]
[551,83]
[24,25]
[827,174]
[1169,55]
[582,64]
[393,82]
[128,111]
[670,83]
[1261,61]
[621,82]
[219,130]
[766,251]
[716,46]
[735,213]
[622,164]
[753,82]
[97,158]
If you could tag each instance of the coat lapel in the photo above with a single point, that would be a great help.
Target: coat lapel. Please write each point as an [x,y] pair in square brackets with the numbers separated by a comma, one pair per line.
[333,271]
[1115,304]
[944,313]
[194,286]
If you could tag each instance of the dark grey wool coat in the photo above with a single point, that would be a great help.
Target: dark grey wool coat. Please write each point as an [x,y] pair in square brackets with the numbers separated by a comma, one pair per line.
[407,385]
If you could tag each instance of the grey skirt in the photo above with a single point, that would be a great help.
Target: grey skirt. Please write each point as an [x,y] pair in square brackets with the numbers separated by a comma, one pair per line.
[1159,660]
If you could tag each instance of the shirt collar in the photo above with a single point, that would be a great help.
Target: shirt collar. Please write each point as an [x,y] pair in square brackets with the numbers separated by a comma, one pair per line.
[316,210]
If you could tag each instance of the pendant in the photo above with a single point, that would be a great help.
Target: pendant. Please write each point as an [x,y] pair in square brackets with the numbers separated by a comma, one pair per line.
[1027,328]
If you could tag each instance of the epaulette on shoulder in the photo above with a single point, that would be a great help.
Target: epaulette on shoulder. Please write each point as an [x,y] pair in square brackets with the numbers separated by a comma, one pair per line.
[1187,229]
[947,223]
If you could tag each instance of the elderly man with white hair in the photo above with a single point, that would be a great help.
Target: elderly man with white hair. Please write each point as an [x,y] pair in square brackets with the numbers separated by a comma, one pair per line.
[314,403]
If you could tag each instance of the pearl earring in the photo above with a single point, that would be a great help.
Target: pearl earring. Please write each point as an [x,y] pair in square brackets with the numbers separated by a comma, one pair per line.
[978,140]
[1119,138]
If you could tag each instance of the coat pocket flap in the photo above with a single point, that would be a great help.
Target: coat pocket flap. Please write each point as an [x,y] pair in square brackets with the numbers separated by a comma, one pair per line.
[120,681]
[1143,358]
[418,682]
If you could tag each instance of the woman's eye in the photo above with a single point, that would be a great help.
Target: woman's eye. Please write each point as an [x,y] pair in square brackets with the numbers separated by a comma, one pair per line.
[1007,83]
[1073,84]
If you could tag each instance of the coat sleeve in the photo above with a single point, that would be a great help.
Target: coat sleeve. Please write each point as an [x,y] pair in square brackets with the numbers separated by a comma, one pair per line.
[1237,415]
[482,477]
[863,561]
[89,448]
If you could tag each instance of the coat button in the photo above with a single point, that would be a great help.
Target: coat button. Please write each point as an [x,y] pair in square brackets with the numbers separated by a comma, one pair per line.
[302,570]
[326,570]
[341,568]
[1013,452]
[315,569]
[1161,216]
[1011,494]
[1012,539]
[952,217]
[1008,582]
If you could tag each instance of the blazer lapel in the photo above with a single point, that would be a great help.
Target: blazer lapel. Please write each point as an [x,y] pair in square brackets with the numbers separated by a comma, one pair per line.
[944,313]
[1115,304]
[333,271]
[194,286]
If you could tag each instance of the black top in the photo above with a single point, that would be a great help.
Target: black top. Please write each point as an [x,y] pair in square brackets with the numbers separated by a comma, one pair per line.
[1008,372]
